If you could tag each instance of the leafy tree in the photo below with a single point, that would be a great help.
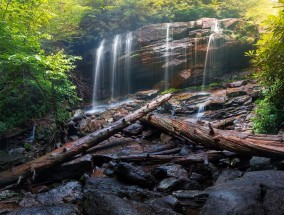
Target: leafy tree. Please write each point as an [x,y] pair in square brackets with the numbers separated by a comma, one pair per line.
[268,59]
[33,81]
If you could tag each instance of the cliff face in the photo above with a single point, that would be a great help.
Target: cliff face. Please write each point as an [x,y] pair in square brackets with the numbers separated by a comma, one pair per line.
[186,54]
[182,53]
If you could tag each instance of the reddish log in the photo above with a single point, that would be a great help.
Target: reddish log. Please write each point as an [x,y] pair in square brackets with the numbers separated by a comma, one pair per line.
[239,142]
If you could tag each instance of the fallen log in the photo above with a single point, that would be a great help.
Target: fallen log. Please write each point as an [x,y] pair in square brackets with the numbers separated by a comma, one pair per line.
[69,150]
[211,155]
[239,142]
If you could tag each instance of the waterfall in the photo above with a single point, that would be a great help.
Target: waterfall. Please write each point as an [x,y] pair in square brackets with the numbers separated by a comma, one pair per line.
[167,53]
[98,73]
[216,31]
[127,66]
[116,48]
[119,80]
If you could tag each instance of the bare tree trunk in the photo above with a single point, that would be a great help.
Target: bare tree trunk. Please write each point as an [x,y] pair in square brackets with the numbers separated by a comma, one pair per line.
[69,150]
[243,143]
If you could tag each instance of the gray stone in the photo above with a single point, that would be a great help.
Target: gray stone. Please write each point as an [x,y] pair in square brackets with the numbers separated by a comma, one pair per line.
[133,175]
[175,170]
[63,209]
[260,163]
[198,196]
[156,207]
[228,175]
[101,203]
[66,193]
[259,192]
[134,129]
[236,83]
[71,170]
[111,186]
[168,184]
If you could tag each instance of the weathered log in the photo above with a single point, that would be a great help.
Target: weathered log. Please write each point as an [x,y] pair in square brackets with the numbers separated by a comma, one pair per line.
[152,158]
[69,150]
[239,142]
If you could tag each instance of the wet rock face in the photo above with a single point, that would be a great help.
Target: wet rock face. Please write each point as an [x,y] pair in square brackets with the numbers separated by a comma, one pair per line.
[186,54]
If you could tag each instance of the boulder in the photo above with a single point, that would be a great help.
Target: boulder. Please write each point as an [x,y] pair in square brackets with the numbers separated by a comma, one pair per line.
[133,175]
[111,186]
[259,192]
[260,163]
[70,192]
[101,203]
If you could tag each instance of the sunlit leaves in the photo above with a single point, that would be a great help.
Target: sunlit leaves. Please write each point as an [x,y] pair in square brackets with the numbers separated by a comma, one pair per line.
[30,76]
[268,59]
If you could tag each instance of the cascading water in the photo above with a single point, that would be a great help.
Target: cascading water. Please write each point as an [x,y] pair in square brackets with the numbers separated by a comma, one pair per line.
[127,66]
[116,49]
[98,73]
[216,31]
[167,53]
[200,112]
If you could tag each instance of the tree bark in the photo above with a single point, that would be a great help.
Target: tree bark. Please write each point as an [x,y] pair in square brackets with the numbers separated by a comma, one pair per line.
[152,158]
[69,150]
[242,143]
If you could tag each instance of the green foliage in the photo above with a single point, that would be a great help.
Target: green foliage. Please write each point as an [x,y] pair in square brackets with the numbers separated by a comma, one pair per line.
[268,60]
[108,17]
[266,119]
[34,81]
[214,84]
[27,146]
[171,90]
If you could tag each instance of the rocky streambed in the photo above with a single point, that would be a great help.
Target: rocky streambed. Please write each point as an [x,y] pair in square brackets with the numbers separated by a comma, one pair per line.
[143,170]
